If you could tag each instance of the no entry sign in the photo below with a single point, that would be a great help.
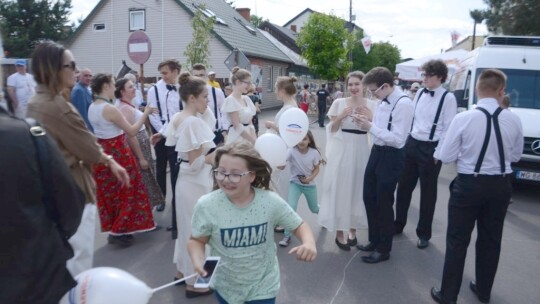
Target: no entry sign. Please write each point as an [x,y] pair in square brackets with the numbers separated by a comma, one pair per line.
[139,47]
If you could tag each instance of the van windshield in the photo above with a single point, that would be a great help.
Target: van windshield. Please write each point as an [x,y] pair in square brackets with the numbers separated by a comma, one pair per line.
[523,87]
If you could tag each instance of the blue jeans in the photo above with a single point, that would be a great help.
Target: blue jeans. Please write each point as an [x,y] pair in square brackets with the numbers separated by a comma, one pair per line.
[309,191]
[263,301]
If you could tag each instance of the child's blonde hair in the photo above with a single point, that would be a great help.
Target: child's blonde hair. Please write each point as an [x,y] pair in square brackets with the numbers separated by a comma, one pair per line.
[254,161]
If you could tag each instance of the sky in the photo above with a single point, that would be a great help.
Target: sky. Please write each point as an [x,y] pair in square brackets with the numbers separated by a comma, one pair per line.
[417,27]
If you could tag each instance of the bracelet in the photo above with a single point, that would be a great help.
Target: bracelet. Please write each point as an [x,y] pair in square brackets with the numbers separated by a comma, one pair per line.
[108,158]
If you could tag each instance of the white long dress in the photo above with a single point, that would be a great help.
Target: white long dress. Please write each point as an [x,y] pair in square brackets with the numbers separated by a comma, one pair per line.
[246,110]
[194,180]
[342,206]
[280,178]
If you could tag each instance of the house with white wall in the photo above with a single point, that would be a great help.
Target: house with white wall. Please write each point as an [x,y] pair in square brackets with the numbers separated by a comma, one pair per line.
[100,42]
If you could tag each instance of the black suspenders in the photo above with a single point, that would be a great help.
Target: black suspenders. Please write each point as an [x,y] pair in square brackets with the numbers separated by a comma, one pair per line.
[215,107]
[495,118]
[159,105]
[389,127]
[437,115]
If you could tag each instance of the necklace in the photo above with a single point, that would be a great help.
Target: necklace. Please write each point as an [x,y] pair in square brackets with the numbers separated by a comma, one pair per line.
[128,103]
[103,98]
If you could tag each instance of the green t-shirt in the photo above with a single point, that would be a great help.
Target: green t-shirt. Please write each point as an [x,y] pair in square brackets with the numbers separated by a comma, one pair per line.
[244,239]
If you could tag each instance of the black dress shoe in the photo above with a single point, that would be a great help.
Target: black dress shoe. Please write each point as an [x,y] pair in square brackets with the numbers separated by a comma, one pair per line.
[368,247]
[376,257]
[124,240]
[190,294]
[422,243]
[398,228]
[342,246]
[179,283]
[437,296]
[472,285]
[160,207]
[352,242]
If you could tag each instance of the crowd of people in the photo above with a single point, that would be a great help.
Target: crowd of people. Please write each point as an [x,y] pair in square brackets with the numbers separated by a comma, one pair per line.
[380,141]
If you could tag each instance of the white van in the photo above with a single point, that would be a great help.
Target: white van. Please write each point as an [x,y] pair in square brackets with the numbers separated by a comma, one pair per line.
[519,59]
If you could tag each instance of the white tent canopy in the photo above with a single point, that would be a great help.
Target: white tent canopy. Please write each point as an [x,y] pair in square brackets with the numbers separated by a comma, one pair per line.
[412,70]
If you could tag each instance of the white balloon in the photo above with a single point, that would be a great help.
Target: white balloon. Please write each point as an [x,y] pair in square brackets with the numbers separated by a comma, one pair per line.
[107,285]
[272,149]
[293,126]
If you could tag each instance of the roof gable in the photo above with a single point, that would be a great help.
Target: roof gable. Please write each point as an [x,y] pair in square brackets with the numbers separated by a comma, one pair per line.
[307,10]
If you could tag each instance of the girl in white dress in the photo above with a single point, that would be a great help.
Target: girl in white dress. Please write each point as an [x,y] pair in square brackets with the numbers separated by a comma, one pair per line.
[285,91]
[192,138]
[239,109]
[347,150]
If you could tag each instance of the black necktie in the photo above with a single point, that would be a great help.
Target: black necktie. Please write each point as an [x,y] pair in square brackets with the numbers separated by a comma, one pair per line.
[171,87]
[386,100]
[426,91]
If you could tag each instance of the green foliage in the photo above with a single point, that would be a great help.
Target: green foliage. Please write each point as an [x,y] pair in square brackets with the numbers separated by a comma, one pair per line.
[324,43]
[197,51]
[382,54]
[25,23]
[513,17]
[257,21]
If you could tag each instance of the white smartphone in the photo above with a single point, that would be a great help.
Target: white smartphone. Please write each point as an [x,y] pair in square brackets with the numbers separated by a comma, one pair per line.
[210,266]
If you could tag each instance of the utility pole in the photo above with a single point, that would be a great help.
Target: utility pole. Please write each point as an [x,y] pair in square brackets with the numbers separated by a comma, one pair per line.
[351,28]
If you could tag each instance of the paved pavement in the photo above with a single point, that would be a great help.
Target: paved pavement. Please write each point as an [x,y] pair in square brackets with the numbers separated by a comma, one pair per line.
[339,277]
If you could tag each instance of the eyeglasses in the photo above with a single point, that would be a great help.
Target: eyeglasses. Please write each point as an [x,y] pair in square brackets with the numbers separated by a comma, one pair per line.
[72,65]
[245,82]
[424,75]
[375,91]
[233,177]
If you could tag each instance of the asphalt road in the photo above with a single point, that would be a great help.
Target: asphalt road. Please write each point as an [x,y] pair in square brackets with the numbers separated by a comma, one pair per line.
[341,277]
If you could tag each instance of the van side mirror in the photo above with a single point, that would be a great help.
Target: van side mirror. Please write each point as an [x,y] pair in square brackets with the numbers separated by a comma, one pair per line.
[461,102]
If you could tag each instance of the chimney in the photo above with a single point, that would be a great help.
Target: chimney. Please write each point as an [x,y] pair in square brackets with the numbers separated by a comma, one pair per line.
[293,27]
[245,12]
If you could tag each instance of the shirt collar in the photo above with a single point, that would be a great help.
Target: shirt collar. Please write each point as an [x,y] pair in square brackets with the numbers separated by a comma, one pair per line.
[394,96]
[488,102]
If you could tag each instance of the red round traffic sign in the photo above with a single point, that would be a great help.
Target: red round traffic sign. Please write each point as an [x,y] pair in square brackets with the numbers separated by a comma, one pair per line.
[139,47]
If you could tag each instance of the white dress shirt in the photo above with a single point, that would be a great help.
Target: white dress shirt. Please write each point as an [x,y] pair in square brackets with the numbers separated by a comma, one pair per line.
[424,116]
[401,120]
[223,123]
[169,104]
[466,134]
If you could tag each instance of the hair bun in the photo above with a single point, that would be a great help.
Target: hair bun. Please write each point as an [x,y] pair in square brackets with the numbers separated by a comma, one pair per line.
[235,69]
[293,79]
[184,78]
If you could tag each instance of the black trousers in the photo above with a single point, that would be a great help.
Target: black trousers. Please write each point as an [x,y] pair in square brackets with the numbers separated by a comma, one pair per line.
[322,112]
[380,179]
[164,155]
[482,200]
[419,164]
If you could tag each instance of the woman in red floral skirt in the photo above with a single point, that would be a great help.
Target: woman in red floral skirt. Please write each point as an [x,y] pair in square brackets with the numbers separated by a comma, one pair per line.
[122,211]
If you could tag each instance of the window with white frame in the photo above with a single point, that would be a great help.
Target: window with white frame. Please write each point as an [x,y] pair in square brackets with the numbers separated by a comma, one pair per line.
[137,20]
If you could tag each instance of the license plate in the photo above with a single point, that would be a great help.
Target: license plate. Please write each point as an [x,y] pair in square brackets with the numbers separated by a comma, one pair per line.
[534,176]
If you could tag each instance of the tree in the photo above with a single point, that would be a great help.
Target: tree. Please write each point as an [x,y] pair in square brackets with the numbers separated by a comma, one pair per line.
[257,21]
[197,51]
[25,23]
[513,17]
[324,42]
[477,16]
[382,54]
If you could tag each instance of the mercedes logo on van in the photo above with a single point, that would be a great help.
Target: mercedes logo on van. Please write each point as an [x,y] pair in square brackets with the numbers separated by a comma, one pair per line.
[535,146]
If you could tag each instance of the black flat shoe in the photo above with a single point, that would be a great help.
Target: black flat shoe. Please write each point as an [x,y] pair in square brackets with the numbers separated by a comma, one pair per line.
[352,242]
[437,296]
[179,283]
[121,240]
[160,207]
[169,228]
[342,246]
[376,257]
[472,286]
[190,294]
[422,243]
[368,247]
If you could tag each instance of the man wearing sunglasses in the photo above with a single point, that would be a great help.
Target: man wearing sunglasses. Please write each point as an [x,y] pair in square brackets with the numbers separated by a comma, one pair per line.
[389,130]
[435,109]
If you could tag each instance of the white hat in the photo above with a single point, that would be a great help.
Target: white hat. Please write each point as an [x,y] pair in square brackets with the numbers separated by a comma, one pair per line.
[415,85]
[211,73]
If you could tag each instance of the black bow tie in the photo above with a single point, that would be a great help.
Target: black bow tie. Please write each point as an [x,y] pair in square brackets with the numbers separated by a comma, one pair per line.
[426,91]
[171,87]
[386,100]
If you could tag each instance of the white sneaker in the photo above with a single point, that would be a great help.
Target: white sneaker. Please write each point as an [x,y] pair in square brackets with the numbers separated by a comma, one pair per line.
[285,241]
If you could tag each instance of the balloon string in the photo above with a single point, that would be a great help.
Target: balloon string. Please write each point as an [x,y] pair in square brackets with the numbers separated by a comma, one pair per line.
[174,282]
